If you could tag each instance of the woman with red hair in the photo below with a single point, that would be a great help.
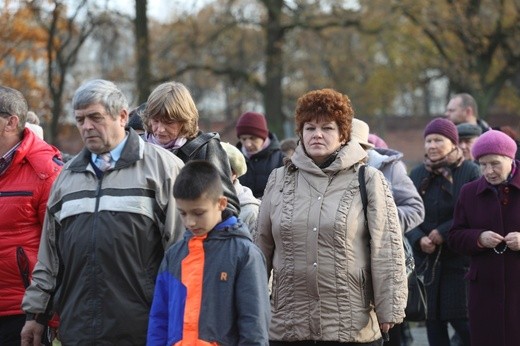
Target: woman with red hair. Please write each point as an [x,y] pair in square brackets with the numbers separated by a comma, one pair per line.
[338,278]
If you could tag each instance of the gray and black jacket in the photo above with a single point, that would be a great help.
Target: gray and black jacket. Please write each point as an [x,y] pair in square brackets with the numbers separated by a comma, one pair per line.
[102,244]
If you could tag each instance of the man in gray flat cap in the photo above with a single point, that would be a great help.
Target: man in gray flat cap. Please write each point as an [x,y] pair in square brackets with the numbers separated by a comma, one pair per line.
[468,134]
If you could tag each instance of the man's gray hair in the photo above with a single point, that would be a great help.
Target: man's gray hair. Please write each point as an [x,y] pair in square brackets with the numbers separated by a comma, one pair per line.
[12,102]
[100,91]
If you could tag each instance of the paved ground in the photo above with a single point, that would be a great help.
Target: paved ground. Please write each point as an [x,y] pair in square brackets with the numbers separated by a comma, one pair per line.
[419,335]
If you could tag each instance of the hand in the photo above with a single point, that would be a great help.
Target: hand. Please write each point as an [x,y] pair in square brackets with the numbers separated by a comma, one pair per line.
[512,240]
[427,245]
[385,327]
[490,239]
[436,237]
[32,333]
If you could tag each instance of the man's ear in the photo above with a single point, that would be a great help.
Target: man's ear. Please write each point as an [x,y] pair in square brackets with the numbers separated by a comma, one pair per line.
[12,123]
[468,112]
[123,115]
[222,203]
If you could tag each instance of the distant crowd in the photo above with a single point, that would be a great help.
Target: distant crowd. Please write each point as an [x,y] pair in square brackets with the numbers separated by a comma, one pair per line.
[158,233]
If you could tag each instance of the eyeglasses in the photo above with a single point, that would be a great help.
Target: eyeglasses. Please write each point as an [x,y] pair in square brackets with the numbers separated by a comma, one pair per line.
[5,114]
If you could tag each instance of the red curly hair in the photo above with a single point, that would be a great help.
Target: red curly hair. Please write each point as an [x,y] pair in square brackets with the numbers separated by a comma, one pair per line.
[328,105]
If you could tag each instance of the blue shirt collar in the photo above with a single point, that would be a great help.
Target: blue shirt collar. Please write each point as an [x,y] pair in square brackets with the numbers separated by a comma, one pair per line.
[114,153]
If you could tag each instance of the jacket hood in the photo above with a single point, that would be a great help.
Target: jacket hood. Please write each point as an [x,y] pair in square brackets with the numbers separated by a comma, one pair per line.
[349,155]
[379,157]
[36,151]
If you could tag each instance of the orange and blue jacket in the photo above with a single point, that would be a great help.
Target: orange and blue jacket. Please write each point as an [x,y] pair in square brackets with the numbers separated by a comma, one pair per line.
[211,290]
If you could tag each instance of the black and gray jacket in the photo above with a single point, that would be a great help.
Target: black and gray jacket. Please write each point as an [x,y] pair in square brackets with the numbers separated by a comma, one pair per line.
[102,243]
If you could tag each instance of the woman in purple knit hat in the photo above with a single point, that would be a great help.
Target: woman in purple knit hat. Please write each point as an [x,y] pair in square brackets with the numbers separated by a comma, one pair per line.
[486,227]
[439,179]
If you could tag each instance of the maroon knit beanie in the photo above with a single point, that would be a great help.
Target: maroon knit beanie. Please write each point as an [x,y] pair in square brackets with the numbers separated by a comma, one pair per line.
[494,142]
[253,124]
[442,126]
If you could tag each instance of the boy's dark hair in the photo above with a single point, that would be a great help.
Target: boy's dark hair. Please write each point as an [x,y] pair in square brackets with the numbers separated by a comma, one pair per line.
[198,178]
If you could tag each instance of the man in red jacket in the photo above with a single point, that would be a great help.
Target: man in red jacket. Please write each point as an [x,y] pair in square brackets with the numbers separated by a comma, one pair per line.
[28,167]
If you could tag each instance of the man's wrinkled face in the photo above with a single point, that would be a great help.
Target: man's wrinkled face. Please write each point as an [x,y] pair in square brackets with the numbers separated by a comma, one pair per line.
[98,129]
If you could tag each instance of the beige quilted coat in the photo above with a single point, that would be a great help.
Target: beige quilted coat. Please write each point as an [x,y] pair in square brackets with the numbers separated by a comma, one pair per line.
[333,280]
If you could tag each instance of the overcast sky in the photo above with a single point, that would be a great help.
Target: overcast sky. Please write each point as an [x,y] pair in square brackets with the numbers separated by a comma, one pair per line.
[159,9]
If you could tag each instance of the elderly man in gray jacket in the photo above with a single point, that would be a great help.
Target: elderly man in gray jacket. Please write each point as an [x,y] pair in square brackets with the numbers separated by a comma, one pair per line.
[110,215]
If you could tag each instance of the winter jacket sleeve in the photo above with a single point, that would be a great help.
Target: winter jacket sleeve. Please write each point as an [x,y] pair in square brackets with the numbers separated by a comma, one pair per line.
[264,237]
[38,296]
[253,309]
[173,227]
[158,320]
[387,253]
[165,324]
[461,237]
[409,203]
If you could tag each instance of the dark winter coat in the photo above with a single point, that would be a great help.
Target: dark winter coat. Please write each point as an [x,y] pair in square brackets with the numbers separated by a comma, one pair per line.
[260,166]
[206,146]
[444,272]
[494,279]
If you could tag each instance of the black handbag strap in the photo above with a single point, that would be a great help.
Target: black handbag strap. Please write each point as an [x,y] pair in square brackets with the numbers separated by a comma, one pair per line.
[188,149]
[363,190]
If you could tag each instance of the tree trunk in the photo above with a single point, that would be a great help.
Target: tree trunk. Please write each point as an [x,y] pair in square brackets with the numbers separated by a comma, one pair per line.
[273,94]
[143,56]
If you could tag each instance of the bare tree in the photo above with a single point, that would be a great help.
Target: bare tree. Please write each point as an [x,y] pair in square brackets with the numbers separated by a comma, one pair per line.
[142,51]
[477,42]
[274,19]
[67,31]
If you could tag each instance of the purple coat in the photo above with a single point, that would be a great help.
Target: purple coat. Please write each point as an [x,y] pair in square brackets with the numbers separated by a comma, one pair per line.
[494,279]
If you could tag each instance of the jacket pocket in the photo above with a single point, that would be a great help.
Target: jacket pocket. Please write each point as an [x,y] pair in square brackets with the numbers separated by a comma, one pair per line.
[274,290]
[277,296]
[367,291]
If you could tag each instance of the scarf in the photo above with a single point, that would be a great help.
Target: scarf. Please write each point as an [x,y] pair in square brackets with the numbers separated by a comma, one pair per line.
[249,154]
[442,167]
[175,144]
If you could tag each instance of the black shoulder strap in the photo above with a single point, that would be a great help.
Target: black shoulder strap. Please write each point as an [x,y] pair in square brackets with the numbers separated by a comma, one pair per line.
[189,148]
[363,190]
